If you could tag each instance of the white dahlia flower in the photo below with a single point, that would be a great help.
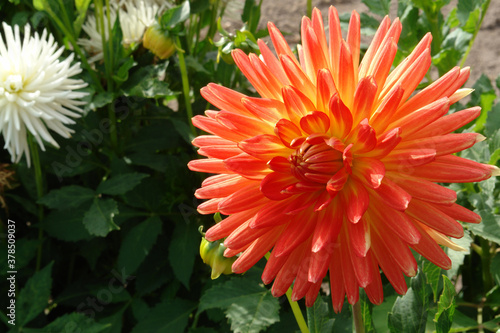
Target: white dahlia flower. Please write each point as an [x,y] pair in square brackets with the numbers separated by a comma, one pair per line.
[37,92]
[135,17]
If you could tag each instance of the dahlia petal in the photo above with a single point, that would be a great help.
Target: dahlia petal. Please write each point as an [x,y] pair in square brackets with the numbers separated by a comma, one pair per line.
[382,62]
[273,184]
[363,137]
[445,144]
[398,250]
[228,253]
[297,104]
[393,195]
[346,75]
[312,293]
[374,290]
[374,46]
[327,228]
[208,165]
[364,97]
[383,114]
[434,218]
[300,202]
[279,164]
[224,98]
[459,213]
[247,126]
[336,281]
[388,266]
[273,266]
[314,54]
[395,220]
[354,38]
[279,43]
[225,227]
[445,86]
[337,181]
[209,140]
[325,89]
[223,188]
[264,147]
[214,127]
[289,271]
[243,164]
[359,237]
[315,122]
[362,269]
[335,38]
[250,67]
[371,171]
[272,62]
[221,152]
[349,277]
[210,206]
[299,80]
[301,284]
[256,251]
[245,198]
[408,158]
[386,143]
[297,231]
[355,200]
[269,110]
[443,240]
[424,190]
[243,236]
[271,214]
[454,169]
[422,117]
[341,116]
[211,180]
[448,123]
[428,248]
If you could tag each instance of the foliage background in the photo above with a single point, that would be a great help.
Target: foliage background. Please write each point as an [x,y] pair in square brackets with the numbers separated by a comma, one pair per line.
[112,244]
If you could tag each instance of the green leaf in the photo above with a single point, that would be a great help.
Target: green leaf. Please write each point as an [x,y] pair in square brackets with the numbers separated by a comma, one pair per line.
[74,322]
[379,7]
[433,275]
[249,306]
[175,15]
[121,184]
[34,296]
[101,99]
[457,257]
[66,225]
[67,197]
[99,218]
[446,307]
[409,313]
[318,317]
[81,7]
[366,312]
[148,82]
[155,137]
[169,316]
[489,228]
[137,244]
[184,248]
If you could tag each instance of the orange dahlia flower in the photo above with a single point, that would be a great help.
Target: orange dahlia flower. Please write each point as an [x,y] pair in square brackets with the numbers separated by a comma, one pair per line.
[334,168]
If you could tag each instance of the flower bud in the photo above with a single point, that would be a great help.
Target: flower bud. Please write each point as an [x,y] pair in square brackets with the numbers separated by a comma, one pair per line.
[158,41]
[212,254]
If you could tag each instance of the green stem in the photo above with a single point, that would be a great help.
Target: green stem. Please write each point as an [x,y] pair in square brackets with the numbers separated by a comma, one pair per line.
[357,318]
[185,85]
[297,312]
[309,8]
[483,14]
[485,263]
[35,156]
[113,134]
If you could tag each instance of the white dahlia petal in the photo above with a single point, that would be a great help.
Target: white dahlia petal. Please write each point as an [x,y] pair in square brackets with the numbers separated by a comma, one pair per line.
[36,90]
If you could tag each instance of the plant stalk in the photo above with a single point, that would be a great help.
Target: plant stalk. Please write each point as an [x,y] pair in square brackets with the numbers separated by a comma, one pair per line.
[297,312]
[35,156]
[358,318]
[185,85]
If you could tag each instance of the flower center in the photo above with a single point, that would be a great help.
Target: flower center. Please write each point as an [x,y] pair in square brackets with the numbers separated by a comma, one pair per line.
[14,83]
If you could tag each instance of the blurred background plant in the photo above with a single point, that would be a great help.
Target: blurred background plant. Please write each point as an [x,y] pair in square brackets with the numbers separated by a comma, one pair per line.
[110,243]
